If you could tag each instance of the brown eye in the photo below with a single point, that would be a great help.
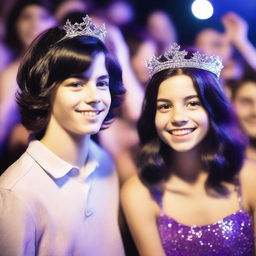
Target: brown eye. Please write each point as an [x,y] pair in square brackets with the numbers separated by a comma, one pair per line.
[194,104]
[164,106]
[103,84]
[75,84]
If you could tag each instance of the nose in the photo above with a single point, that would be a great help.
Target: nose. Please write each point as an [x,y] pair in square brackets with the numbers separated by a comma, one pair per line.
[179,116]
[36,24]
[91,94]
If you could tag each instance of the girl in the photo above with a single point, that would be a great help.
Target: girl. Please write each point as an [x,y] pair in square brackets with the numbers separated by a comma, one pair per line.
[193,195]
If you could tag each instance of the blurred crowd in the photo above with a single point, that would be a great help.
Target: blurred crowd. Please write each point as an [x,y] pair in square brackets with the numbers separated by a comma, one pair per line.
[21,21]
[132,43]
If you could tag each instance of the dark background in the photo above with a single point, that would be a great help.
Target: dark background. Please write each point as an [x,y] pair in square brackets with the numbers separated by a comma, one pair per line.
[187,25]
[180,12]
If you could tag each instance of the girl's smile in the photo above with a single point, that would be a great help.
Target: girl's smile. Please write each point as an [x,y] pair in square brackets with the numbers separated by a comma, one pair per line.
[181,120]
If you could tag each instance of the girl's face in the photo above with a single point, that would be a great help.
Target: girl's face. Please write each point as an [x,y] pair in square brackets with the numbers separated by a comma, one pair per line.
[81,103]
[33,20]
[181,121]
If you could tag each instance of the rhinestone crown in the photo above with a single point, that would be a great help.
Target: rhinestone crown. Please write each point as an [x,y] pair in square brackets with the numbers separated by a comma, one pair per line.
[85,28]
[175,58]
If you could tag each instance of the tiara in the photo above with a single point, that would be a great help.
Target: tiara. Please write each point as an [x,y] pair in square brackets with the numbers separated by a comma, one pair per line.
[85,28]
[175,58]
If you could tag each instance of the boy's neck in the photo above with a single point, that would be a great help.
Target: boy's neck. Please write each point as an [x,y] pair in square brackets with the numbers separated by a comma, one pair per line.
[73,150]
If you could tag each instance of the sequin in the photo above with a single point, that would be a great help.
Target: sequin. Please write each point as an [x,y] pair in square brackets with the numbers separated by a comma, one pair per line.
[232,235]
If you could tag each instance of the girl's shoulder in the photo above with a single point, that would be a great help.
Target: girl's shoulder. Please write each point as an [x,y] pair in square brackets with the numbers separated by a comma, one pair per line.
[141,212]
[135,193]
[133,186]
[248,183]
[248,171]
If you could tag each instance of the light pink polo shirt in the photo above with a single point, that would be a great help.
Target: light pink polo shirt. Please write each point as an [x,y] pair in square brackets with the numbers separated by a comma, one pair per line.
[50,208]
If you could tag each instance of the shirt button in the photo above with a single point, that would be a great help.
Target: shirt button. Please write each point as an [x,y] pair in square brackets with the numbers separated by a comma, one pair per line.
[88,213]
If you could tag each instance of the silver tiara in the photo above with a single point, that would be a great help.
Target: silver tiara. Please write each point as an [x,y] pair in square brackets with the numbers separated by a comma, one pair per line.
[85,28]
[175,58]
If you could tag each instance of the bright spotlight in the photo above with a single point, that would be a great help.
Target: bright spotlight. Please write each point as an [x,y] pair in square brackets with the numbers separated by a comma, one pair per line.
[202,9]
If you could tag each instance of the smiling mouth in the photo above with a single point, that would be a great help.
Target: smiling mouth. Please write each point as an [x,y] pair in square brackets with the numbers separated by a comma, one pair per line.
[90,113]
[181,132]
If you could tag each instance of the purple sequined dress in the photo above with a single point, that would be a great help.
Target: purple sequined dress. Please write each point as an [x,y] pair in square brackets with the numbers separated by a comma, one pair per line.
[231,236]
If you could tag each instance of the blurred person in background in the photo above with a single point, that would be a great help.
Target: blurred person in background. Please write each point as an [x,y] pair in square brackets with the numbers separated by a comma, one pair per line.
[161,27]
[243,88]
[141,46]
[244,100]
[119,13]
[243,60]
[213,42]
[5,56]
[5,6]
[121,140]
[65,7]
[26,20]
[4,51]
[236,30]
[233,46]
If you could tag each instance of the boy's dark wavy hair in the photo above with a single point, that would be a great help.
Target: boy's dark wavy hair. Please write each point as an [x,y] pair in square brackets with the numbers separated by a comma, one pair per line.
[222,148]
[52,58]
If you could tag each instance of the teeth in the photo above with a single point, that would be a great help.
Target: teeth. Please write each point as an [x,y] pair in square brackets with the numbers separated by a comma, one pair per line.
[181,131]
[90,113]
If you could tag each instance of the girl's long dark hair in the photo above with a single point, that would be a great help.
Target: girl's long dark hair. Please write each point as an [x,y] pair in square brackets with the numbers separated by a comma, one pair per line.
[222,148]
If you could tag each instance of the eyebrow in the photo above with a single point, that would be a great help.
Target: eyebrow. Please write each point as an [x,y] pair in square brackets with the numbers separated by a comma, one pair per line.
[186,98]
[103,77]
[248,98]
[83,77]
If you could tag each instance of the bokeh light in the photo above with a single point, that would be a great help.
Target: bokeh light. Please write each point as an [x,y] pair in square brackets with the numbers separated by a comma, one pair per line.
[202,9]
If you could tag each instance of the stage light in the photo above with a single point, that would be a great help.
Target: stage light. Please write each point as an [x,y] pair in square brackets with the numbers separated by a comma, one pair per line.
[202,9]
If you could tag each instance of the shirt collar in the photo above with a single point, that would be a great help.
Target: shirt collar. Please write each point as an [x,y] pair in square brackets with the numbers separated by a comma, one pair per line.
[53,164]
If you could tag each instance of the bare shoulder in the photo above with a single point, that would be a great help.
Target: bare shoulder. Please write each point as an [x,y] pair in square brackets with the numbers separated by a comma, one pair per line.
[133,186]
[248,172]
[248,183]
[135,194]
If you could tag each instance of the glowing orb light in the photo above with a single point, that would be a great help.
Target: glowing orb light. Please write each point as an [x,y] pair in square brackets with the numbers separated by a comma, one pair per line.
[202,9]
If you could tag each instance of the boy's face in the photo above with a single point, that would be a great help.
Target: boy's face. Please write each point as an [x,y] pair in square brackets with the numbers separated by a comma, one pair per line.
[81,103]
[245,105]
